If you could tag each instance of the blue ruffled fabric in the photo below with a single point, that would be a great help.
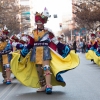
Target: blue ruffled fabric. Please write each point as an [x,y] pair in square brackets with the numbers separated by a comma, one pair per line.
[24,51]
[8,47]
[97,53]
[59,77]
[19,46]
[65,51]
[95,50]
[92,48]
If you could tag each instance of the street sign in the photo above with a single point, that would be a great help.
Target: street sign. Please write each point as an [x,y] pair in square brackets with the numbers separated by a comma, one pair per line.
[26,13]
[55,15]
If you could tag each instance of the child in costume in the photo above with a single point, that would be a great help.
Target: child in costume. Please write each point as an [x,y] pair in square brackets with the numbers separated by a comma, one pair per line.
[14,40]
[23,41]
[98,44]
[93,48]
[97,54]
[61,38]
[93,42]
[43,59]
[5,49]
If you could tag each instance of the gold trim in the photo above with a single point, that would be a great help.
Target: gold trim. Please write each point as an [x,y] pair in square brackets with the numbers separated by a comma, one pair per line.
[38,35]
[39,55]
[5,59]
[3,45]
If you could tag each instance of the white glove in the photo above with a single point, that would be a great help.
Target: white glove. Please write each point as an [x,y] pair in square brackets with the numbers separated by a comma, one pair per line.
[55,40]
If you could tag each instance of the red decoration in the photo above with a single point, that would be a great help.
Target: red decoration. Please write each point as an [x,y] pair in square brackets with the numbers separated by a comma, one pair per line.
[93,35]
[40,17]
[31,40]
[5,32]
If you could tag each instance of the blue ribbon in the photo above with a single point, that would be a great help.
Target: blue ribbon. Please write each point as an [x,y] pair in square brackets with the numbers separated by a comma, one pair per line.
[65,51]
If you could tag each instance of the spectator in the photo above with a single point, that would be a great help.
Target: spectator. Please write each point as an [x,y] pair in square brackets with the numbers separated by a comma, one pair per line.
[74,46]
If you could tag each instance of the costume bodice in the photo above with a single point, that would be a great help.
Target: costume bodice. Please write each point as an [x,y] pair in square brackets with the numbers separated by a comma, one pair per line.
[3,45]
[93,42]
[38,34]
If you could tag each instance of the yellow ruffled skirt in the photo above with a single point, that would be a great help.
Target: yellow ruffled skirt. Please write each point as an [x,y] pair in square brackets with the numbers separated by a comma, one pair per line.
[90,55]
[97,59]
[25,71]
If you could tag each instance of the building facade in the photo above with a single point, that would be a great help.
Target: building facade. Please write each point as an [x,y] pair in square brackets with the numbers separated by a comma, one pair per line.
[27,15]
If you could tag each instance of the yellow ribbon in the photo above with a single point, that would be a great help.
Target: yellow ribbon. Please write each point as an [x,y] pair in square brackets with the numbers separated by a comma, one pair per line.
[3,45]
[39,55]
[5,59]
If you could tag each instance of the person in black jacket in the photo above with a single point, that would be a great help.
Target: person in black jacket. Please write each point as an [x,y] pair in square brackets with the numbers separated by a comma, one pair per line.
[74,46]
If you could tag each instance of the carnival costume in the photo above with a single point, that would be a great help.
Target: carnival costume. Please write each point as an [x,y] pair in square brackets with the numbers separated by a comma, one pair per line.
[97,54]
[93,48]
[31,66]
[2,69]
[5,49]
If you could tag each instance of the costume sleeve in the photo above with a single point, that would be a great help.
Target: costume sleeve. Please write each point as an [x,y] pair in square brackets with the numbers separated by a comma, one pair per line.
[26,49]
[19,46]
[62,48]
[7,49]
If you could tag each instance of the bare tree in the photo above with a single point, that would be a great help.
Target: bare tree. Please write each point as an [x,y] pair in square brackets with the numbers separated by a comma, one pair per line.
[10,15]
[87,14]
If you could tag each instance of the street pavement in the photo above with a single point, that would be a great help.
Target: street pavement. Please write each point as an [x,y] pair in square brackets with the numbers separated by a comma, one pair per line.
[82,83]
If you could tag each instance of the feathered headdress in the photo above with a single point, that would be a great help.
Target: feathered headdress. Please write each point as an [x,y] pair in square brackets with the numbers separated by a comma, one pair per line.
[5,30]
[43,17]
[92,34]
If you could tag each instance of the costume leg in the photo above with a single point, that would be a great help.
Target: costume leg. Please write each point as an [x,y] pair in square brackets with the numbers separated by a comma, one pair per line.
[41,78]
[3,70]
[4,73]
[47,74]
[8,73]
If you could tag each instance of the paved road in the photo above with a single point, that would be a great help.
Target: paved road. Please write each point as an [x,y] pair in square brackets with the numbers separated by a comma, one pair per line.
[83,83]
